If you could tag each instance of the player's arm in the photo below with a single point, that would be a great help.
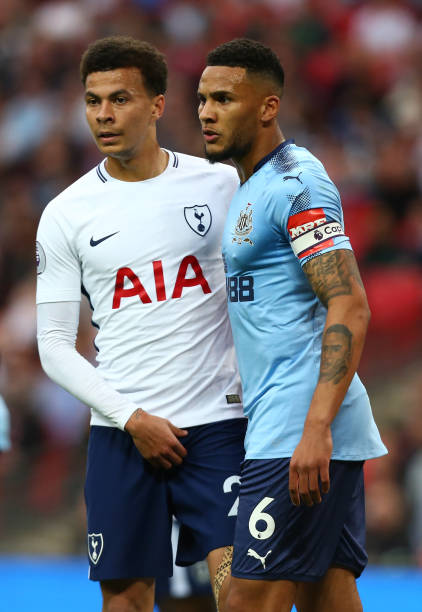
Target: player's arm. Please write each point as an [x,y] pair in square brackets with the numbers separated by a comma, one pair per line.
[57,324]
[335,279]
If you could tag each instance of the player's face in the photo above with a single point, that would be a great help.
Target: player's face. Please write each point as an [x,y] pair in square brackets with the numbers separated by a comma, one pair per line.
[229,106]
[120,112]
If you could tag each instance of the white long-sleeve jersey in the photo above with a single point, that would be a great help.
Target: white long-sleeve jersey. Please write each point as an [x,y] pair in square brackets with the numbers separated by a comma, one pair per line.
[148,256]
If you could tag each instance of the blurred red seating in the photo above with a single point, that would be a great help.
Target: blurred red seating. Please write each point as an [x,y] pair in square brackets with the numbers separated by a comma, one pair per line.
[395,296]
[395,331]
[358,218]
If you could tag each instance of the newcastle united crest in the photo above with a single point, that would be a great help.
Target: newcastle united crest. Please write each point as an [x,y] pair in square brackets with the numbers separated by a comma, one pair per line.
[243,226]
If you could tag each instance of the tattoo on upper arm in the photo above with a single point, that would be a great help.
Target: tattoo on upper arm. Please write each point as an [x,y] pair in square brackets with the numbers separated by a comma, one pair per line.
[336,353]
[332,274]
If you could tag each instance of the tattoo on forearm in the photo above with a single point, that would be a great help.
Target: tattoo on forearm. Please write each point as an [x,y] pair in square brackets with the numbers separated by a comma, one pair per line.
[336,353]
[331,274]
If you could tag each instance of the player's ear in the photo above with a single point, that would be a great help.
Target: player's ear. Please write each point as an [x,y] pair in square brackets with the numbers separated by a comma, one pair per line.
[269,108]
[158,104]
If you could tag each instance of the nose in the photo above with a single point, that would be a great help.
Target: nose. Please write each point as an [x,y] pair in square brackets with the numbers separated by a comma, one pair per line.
[105,112]
[206,112]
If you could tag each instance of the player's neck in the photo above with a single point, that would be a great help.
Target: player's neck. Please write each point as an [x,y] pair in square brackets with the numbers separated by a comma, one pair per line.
[147,164]
[264,144]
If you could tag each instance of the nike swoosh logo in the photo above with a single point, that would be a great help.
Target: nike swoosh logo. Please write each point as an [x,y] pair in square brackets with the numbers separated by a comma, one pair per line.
[94,243]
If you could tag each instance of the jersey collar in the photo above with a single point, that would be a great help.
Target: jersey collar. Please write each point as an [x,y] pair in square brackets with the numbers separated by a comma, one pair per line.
[104,176]
[273,152]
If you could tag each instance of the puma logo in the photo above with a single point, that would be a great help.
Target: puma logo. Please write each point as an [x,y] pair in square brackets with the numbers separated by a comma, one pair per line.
[252,553]
[286,178]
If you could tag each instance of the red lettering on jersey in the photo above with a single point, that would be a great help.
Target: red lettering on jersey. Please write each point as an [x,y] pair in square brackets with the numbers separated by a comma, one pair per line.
[305,221]
[137,289]
[160,287]
[182,281]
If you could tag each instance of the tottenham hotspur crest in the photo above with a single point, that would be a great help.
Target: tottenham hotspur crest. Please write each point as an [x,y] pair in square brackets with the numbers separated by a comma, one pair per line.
[95,546]
[243,226]
[198,218]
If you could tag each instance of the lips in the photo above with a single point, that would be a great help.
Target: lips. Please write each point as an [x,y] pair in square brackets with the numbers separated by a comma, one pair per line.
[107,136]
[210,136]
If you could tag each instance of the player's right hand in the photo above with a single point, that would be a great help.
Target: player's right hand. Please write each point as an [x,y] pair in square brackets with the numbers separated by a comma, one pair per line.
[309,473]
[156,439]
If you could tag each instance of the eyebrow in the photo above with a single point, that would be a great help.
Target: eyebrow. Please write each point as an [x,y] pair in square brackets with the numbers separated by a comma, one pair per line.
[110,95]
[218,92]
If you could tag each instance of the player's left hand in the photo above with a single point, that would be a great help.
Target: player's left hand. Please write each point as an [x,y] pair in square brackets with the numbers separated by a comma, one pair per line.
[309,475]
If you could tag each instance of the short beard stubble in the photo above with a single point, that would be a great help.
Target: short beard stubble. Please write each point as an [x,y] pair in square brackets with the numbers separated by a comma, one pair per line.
[235,151]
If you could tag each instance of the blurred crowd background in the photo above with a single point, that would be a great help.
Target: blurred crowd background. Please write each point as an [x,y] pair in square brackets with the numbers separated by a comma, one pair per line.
[353,96]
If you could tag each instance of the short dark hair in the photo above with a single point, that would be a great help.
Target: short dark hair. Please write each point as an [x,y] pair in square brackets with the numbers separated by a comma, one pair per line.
[115,52]
[252,55]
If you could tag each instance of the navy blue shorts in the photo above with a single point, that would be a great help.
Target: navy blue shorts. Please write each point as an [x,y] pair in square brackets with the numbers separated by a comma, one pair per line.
[275,540]
[130,504]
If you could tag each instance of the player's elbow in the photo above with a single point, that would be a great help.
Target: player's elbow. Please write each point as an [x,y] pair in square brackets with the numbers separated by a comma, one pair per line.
[353,309]
[53,353]
[362,311]
[44,355]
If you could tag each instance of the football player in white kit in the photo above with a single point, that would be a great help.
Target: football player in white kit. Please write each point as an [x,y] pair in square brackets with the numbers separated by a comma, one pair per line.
[140,235]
